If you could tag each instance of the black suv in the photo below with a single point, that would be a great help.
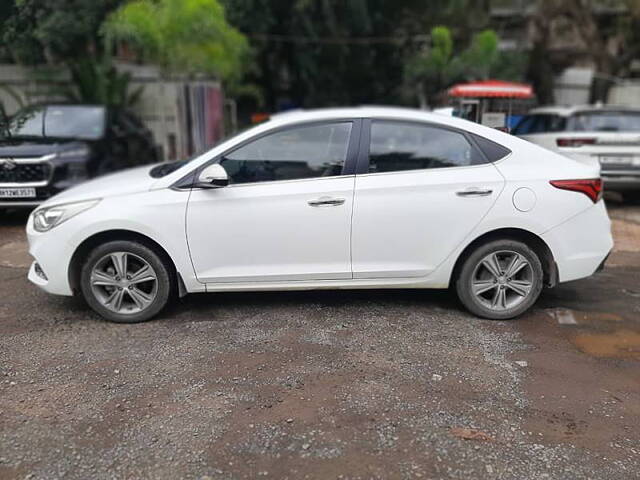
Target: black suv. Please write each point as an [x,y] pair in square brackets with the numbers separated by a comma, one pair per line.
[48,148]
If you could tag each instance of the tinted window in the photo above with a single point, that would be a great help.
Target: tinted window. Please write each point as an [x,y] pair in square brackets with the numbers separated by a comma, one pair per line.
[540,123]
[605,122]
[492,150]
[66,121]
[303,152]
[399,146]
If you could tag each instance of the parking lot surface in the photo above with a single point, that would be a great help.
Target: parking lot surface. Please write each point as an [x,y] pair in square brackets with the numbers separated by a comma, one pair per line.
[368,384]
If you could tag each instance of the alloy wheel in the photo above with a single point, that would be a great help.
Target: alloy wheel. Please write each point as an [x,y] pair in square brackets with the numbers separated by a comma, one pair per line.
[124,283]
[502,280]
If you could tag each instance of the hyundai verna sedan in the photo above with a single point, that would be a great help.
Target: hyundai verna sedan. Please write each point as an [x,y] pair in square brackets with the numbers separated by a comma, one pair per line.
[340,198]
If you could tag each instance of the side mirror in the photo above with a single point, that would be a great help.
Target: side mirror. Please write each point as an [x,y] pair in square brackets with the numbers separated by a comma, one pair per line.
[213,176]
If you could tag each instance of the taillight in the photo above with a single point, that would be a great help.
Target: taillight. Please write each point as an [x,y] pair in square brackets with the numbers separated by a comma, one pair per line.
[592,188]
[575,142]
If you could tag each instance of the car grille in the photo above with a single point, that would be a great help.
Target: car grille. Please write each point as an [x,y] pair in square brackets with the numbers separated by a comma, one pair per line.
[25,173]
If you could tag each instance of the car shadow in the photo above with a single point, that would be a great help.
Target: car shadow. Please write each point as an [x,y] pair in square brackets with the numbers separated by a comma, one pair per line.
[200,306]
[14,218]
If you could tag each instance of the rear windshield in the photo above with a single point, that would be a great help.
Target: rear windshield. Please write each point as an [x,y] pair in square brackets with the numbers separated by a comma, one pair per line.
[604,122]
[65,121]
[540,123]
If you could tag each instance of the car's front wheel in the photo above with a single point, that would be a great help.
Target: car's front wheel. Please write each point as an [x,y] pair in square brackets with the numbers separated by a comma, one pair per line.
[500,280]
[125,281]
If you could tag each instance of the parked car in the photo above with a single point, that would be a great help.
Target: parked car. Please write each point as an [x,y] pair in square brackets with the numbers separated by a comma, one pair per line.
[606,135]
[338,198]
[49,148]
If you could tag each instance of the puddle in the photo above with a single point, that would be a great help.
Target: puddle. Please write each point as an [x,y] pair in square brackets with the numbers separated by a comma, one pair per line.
[562,315]
[617,344]
[566,316]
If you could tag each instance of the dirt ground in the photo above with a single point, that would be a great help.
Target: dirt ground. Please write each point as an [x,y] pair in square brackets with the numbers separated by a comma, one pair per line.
[352,385]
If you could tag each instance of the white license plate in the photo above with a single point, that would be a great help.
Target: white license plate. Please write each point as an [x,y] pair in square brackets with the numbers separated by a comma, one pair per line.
[17,193]
[619,159]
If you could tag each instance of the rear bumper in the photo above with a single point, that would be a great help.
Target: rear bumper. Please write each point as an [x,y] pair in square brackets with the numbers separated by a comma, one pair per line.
[581,244]
[621,183]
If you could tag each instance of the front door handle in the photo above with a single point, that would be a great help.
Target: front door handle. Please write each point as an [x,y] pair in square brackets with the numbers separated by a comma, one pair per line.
[326,202]
[474,192]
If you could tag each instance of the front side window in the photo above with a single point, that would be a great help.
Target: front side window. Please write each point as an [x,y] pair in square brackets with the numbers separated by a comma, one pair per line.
[296,153]
[397,146]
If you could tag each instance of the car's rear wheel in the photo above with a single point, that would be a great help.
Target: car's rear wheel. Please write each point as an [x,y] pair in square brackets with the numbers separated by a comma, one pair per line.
[125,281]
[500,280]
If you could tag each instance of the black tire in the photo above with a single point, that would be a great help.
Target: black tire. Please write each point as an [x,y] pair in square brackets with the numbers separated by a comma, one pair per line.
[163,286]
[515,303]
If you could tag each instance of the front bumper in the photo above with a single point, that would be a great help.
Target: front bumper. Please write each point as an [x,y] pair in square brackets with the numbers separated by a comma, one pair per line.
[52,252]
[20,203]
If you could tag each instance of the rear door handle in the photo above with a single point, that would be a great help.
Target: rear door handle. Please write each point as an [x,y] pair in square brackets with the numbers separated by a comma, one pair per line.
[326,202]
[474,192]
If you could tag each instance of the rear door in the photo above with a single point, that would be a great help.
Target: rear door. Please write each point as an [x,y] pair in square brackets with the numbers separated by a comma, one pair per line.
[420,191]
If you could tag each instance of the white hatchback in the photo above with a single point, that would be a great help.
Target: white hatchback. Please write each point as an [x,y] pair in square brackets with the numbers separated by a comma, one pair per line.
[340,198]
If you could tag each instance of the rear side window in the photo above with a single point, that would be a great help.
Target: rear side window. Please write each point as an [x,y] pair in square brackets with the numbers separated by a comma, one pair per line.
[492,150]
[605,122]
[540,123]
[398,146]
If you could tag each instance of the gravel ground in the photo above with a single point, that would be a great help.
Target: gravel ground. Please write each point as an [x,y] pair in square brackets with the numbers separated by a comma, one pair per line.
[370,384]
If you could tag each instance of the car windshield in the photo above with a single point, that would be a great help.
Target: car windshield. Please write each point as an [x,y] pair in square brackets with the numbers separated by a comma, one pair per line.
[605,122]
[65,121]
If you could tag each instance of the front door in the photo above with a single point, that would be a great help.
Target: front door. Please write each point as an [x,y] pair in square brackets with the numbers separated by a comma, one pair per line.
[286,215]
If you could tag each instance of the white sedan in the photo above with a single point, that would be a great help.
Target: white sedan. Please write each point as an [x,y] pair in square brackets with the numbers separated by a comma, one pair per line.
[340,198]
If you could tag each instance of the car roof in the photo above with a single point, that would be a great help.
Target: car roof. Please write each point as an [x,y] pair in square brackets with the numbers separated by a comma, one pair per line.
[568,110]
[374,112]
[302,115]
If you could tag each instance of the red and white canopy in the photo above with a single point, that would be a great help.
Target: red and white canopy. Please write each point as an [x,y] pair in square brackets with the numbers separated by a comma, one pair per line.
[492,88]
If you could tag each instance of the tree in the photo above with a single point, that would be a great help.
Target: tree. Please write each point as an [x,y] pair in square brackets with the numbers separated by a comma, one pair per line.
[438,67]
[66,32]
[336,52]
[610,42]
[182,36]
[53,31]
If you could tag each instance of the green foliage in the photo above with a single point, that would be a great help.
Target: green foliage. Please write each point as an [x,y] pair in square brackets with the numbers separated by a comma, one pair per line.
[98,82]
[436,68]
[182,36]
[51,31]
[335,52]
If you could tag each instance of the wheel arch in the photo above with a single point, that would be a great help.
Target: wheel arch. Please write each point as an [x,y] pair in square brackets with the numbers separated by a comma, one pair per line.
[533,241]
[82,251]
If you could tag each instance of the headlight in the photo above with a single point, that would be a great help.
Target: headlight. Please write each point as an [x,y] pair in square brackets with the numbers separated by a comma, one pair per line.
[47,218]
